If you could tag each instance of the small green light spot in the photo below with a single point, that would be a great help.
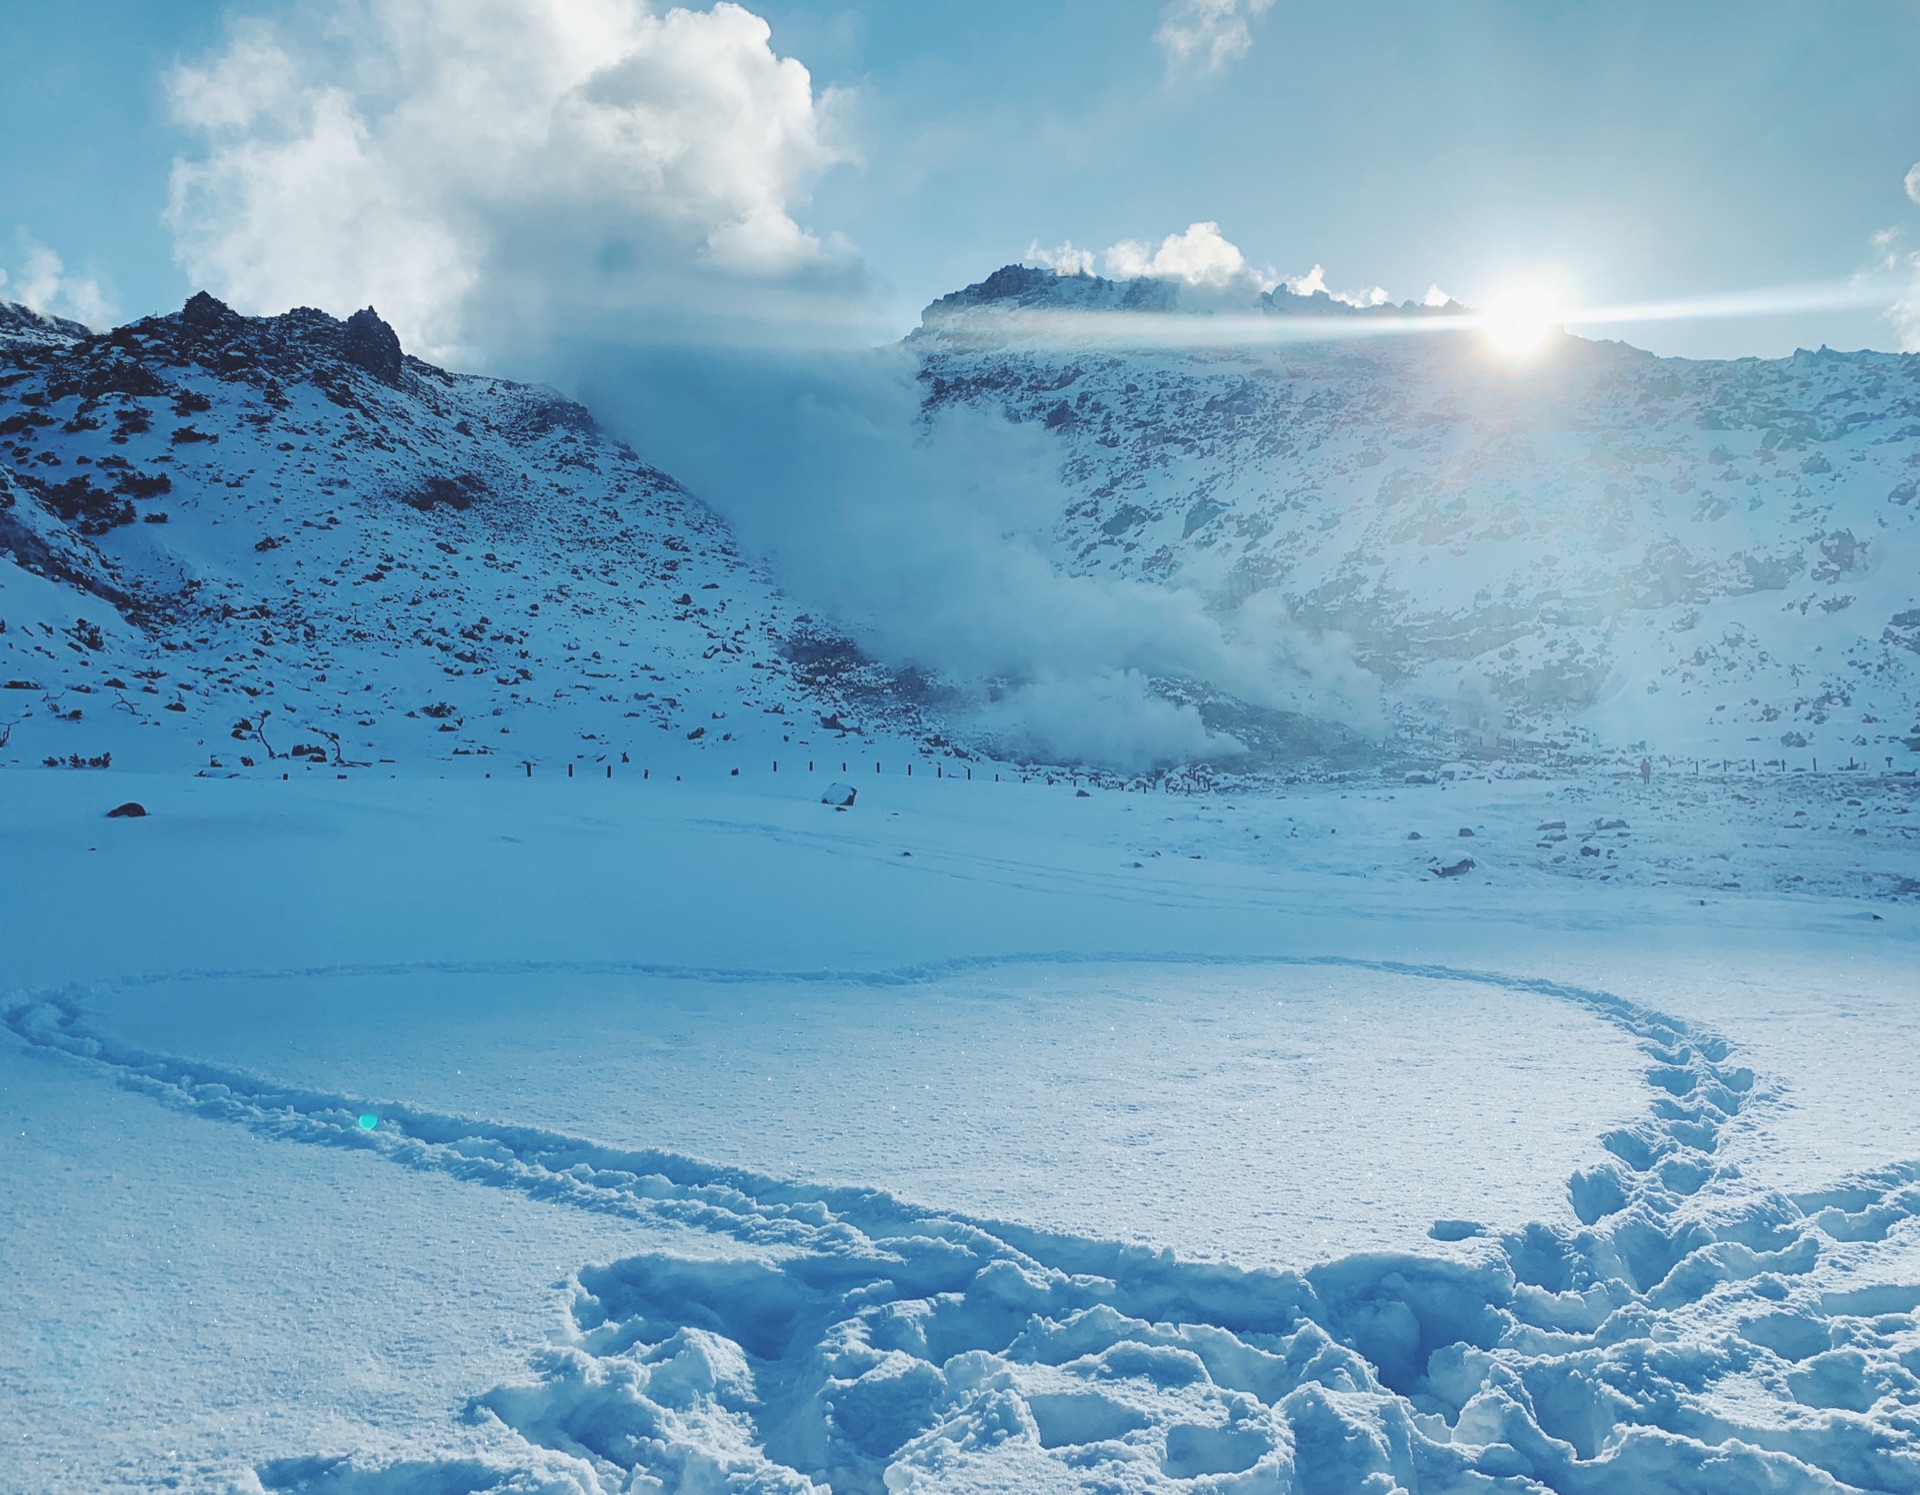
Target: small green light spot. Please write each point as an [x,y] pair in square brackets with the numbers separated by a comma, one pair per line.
[369,1122]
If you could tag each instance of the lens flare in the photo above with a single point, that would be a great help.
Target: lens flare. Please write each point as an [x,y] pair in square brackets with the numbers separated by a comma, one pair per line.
[1518,321]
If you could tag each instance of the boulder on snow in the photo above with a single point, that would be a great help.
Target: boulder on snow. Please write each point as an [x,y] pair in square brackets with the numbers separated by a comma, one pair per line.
[131,810]
[1454,869]
[840,796]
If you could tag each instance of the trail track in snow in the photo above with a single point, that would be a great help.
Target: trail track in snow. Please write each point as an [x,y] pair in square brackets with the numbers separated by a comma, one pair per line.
[1691,1334]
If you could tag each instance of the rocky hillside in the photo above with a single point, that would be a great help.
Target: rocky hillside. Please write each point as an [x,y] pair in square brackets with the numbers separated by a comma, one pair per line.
[1591,546]
[225,537]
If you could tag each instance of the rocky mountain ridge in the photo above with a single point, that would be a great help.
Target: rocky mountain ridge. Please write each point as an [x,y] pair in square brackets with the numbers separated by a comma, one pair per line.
[228,539]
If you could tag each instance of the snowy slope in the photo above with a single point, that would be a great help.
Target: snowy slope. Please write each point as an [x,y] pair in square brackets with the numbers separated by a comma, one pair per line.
[228,538]
[1593,544]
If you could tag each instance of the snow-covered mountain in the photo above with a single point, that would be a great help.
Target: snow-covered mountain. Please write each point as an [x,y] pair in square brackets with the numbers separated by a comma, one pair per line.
[223,537]
[1591,545]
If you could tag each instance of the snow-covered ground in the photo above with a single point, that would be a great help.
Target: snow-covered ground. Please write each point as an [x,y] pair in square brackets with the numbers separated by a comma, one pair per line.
[444,1134]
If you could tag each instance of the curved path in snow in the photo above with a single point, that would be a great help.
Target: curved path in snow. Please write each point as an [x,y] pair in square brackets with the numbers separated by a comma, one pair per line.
[1691,1333]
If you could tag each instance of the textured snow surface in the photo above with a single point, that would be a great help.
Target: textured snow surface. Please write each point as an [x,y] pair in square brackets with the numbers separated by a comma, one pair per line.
[523,1279]
[1269,1116]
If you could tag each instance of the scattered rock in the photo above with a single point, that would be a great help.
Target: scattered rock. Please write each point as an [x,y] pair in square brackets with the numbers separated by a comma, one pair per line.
[1454,869]
[131,810]
[1466,830]
[1413,835]
[1081,794]
[457,493]
[840,796]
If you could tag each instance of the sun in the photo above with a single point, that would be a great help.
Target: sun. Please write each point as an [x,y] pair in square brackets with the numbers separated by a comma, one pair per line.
[1518,320]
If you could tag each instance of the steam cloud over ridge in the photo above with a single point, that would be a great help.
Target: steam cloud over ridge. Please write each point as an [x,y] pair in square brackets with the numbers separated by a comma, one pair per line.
[605,196]
[930,542]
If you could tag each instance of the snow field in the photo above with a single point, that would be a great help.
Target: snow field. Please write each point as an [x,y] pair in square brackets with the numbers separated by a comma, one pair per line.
[877,1345]
[185,1299]
[1271,1115]
[1699,1324]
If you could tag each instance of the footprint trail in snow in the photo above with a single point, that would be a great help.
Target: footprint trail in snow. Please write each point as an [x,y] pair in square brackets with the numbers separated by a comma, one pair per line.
[1691,1334]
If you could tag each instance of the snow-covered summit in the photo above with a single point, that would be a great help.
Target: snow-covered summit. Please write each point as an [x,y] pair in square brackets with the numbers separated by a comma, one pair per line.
[227,537]
[1710,558]
[23,325]
[1031,289]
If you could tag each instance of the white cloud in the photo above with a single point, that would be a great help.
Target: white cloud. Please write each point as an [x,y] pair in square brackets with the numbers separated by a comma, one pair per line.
[470,165]
[1064,260]
[40,280]
[1201,256]
[1200,37]
[1913,182]
[1891,258]
[1314,283]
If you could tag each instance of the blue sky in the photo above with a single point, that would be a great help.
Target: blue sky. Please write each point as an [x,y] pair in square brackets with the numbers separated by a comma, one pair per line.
[1631,151]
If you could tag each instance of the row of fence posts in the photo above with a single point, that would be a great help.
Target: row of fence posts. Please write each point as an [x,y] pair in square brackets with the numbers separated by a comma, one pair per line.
[1778,765]
[939,771]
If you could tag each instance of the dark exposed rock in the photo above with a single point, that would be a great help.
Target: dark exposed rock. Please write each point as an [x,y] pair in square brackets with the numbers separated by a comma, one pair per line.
[840,796]
[32,553]
[131,810]
[372,345]
[454,493]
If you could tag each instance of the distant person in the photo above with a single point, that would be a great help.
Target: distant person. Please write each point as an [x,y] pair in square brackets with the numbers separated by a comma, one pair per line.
[1646,770]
